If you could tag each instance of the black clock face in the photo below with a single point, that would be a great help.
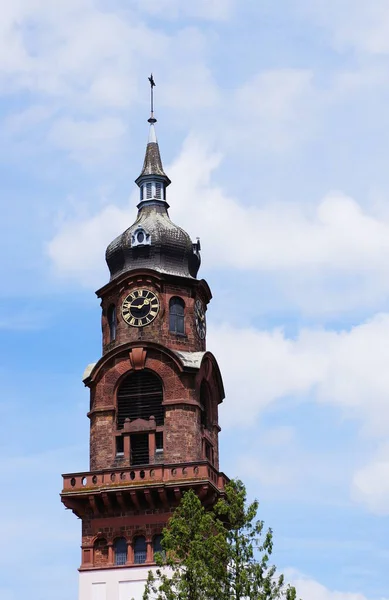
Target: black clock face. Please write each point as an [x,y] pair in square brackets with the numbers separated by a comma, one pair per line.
[200,319]
[140,308]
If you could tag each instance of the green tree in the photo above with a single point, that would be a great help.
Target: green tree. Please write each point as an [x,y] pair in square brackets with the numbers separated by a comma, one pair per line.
[249,574]
[194,552]
[221,554]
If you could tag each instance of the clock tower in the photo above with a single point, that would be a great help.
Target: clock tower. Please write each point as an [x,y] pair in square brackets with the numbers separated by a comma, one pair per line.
[154,397]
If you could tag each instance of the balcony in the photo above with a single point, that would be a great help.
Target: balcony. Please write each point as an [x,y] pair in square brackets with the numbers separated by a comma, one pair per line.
[139,488]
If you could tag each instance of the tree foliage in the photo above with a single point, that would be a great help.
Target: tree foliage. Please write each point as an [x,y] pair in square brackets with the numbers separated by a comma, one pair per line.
[220,554]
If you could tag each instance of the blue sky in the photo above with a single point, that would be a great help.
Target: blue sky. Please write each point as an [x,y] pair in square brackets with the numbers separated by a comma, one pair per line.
[273,124]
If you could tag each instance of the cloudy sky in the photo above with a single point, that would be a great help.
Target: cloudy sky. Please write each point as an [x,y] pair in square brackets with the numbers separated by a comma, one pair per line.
[273,123]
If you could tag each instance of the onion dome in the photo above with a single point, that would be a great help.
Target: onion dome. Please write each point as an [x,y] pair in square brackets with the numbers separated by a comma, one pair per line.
[153,241]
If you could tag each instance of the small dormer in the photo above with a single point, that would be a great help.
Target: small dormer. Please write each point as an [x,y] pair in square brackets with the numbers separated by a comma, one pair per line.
[140,237]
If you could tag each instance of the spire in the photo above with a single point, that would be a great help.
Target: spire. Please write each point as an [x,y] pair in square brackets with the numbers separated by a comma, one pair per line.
[153,179]
[152,86]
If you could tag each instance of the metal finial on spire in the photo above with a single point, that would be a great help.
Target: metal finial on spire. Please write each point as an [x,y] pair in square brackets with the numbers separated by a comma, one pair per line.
[152,86]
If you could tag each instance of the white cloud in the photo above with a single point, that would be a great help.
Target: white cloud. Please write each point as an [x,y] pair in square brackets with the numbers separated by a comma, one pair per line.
[347,369]
[371,483]
[280,110]
[361,25]
[335,251]
[87,65]
[88,141]
[274,110]
[334,233]
[84,61]
[213,10]
[309,589]
[180,83]
[343,369]
[78,248]
[325,256]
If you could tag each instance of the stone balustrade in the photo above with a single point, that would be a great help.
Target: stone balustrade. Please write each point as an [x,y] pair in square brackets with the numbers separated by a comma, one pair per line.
[139,476]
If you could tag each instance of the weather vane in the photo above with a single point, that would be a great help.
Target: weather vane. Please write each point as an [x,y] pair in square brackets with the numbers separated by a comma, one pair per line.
[152,86]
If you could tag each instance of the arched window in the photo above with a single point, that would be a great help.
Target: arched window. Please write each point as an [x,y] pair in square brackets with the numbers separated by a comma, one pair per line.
[157,544]
[111,317]
[120,550]
[205,401]
[140,396]
[176,315]
[100,554]
[140,550]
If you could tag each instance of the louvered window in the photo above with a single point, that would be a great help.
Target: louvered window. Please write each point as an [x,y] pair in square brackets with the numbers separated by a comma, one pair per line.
[140,396]
[148,190]
[140,550]
[120,550]
[139,449]
[158,190]
[111,317]
[176,315]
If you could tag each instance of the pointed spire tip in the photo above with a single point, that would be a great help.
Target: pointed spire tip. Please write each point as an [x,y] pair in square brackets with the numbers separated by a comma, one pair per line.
[152,134]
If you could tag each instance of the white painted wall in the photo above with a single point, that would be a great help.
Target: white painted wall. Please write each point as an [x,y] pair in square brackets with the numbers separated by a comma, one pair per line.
[113,584]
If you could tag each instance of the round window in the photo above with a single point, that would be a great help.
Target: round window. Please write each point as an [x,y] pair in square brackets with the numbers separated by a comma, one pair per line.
[140,237]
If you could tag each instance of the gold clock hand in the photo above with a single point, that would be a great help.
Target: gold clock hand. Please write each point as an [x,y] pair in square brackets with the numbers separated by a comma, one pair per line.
[145,303]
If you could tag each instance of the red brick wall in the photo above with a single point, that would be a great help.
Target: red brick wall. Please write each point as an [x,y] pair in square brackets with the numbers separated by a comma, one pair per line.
[100,552]
[183,431]
[158,330]
[98,533]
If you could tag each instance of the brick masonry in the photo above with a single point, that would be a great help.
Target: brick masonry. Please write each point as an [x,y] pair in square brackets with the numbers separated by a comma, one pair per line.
[187,434]
[183,432]
[157,331]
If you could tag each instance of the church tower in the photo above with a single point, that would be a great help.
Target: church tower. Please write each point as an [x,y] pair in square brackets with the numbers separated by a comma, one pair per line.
[154,397]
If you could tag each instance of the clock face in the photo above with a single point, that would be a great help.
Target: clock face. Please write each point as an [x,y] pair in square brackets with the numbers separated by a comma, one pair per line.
[140,308]
[200,319]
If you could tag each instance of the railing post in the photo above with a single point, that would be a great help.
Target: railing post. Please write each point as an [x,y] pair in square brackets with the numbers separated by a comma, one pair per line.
[127,446]
[151,447]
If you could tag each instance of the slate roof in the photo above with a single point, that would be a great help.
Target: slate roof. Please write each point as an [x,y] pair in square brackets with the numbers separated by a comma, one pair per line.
[152,164]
